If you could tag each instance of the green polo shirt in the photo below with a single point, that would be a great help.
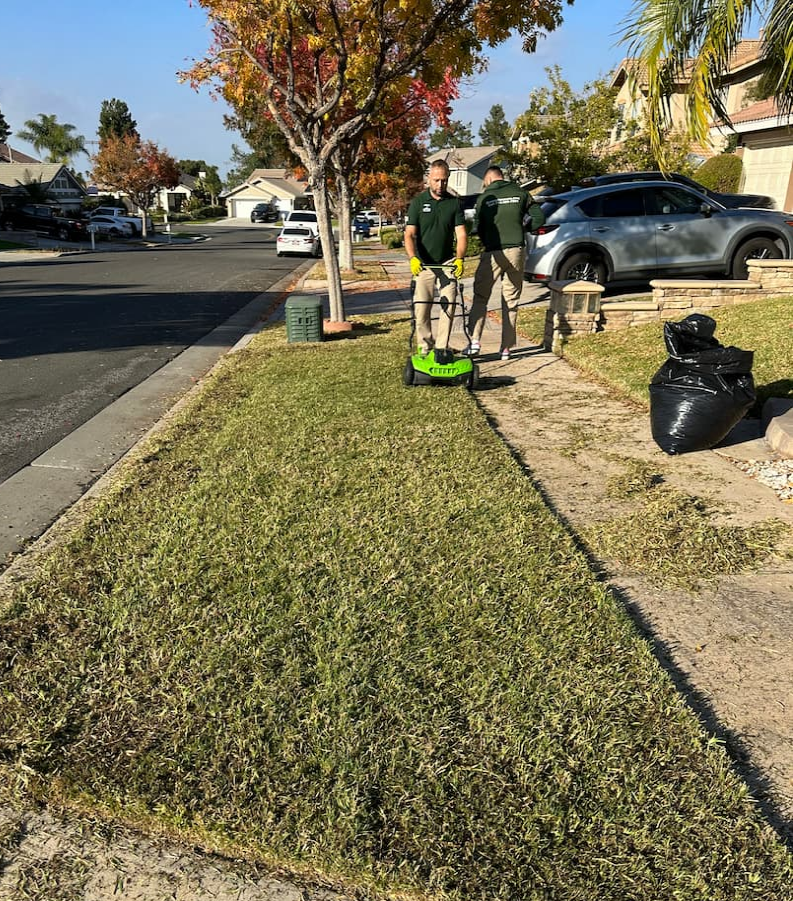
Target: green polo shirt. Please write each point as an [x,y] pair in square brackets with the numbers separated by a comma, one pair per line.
[435,222]
[499,215]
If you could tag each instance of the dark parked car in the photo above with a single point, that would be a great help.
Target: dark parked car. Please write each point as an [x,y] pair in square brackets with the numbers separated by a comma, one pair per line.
[42,219]
[635,231]
[361,226]
[265,212]
[731,201]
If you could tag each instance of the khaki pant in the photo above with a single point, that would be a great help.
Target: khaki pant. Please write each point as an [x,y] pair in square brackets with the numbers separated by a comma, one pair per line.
[423,295]
[506,265]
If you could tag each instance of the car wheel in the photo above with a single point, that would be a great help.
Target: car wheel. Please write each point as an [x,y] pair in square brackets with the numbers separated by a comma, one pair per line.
[585,266]
[755,249]
[114,232]
[63,233]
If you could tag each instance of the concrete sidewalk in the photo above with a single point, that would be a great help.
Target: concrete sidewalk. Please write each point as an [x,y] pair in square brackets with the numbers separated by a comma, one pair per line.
[751,440]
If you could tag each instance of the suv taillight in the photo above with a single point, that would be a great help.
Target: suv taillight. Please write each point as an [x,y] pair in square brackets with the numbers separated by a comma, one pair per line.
[543,229]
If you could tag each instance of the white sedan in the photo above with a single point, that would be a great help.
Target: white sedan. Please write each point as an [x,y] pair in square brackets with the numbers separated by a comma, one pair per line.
[293,239]
[111,227]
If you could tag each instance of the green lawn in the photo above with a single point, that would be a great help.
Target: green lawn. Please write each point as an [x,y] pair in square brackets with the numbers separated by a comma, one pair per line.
[626,360]
[327,622]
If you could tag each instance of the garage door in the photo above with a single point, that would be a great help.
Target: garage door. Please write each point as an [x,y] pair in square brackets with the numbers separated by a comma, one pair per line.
[242,208]
[767,167]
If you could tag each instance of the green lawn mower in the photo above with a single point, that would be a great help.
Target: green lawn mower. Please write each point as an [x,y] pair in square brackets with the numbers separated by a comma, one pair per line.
[439,367]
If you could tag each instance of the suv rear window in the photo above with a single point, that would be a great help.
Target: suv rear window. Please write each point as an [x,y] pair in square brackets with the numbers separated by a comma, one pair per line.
[303,217]
[614,206]
[549,207]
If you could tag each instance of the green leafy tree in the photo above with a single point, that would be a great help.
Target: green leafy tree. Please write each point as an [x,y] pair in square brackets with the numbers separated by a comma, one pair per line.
[57,138]
[566,133]
[636,153]
[692,41]
[455,134]
[115,120]
[209,185]
[5,131]
[495,130]
[269,147]
[243,162]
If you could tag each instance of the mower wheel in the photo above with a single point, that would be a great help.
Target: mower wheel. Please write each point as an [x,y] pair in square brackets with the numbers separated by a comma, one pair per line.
[409,374]
[473,378]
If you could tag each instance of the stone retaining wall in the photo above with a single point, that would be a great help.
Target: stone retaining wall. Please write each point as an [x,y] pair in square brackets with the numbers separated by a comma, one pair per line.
[671,299]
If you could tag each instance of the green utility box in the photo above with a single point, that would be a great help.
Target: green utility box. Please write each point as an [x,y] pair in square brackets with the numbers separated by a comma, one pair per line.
[303,318]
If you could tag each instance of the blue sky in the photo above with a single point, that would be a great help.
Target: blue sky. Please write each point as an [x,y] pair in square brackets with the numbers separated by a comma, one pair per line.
[75,55]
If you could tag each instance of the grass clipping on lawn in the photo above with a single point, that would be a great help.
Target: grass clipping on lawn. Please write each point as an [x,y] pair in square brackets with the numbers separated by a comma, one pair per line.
[326,622]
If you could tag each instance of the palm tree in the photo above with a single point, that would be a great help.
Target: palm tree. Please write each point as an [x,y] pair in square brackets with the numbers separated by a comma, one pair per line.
[46,133]
[697,38]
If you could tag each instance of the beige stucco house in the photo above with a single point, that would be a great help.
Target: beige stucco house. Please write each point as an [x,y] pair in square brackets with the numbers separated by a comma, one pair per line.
[766,145]
[265,186]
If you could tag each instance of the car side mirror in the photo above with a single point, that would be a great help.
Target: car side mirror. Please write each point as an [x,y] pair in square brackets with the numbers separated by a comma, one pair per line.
[706,209]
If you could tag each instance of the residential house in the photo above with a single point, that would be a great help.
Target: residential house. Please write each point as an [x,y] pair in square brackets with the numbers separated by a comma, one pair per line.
[630,80]
[467,167]
[275,186]
[10,154]
[175,200]
[766,145]
[61,187]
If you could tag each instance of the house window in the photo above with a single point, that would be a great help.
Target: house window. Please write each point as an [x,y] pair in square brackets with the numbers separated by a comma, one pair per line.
[60,185]
[175,202]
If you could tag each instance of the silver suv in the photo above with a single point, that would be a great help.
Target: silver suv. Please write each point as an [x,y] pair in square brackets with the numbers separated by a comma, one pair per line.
[636,231]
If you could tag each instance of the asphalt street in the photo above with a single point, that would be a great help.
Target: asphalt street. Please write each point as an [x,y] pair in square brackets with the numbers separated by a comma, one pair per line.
[95,347]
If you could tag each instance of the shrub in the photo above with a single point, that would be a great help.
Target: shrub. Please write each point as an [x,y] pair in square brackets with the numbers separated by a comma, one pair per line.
[392,238]
[721,173]
[210,212]
[474,246]
[179,217]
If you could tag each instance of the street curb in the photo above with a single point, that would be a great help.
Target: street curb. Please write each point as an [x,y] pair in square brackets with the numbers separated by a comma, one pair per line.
[44,501]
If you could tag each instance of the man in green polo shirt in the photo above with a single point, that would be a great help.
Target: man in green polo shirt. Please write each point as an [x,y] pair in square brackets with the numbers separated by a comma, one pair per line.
[501,210]
[435,236]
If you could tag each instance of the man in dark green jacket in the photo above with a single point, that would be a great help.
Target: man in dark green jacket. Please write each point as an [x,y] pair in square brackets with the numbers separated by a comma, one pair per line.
[435,241]
[501,211]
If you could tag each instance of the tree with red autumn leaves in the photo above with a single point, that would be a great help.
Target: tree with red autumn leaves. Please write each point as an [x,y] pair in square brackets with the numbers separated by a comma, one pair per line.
[326,68]
[138,168]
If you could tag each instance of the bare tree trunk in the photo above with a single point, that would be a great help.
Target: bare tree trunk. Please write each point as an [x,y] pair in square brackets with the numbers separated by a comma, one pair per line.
[322,205]
[346,261]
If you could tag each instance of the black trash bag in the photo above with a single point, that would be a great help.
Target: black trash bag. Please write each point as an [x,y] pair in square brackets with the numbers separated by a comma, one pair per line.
[701,391]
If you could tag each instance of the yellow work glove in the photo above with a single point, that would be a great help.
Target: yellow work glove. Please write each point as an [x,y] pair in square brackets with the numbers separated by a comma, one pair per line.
[458,268]
[416,265]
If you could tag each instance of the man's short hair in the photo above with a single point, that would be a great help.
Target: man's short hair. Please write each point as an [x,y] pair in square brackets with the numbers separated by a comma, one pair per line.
[440,164]
[494,170]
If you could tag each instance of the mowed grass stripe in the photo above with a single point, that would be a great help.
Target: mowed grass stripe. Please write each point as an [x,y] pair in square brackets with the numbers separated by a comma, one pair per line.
[327,621]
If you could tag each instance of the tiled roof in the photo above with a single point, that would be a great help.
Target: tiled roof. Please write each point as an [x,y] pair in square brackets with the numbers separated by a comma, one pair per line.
[745,52]
[463,157]
[11,173]
[12,155]
[763,109]
[17,174]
